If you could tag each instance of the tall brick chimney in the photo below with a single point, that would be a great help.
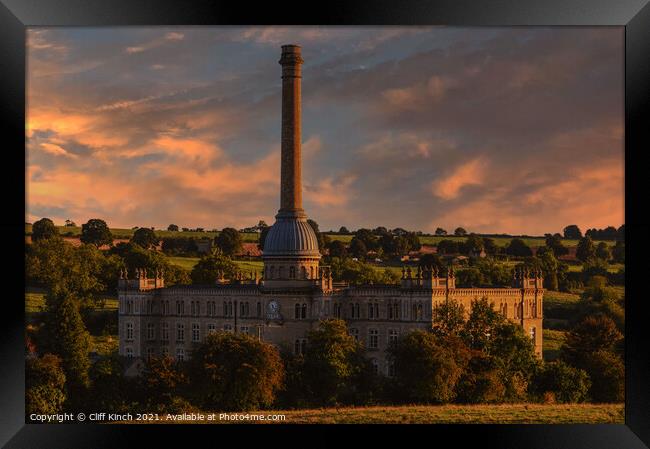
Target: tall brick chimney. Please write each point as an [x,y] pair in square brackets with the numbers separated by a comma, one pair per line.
[290,173]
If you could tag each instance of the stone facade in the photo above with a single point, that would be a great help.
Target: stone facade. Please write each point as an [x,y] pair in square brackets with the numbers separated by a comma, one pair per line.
[295,292]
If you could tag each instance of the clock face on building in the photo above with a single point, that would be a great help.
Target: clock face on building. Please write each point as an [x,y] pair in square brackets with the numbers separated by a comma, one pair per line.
[273,311]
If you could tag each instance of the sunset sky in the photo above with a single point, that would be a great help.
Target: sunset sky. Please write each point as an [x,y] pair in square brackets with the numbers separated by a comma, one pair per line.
[500,130]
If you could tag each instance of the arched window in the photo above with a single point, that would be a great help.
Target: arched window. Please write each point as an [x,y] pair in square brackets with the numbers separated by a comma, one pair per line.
[371,311]
[259,309]
[303,272]
[312,272]
[303,315]
[296,314]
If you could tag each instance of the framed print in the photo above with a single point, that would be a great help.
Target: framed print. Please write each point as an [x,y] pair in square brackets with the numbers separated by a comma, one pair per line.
[320,219]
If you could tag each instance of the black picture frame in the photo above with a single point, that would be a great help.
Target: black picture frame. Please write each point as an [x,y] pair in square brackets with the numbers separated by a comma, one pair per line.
[634,15]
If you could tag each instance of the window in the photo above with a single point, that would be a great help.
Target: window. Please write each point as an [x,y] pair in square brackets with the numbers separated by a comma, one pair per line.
[180,354]
[212,328]
[180,332]
[196,334]
[150,353]
[227,328]
[337,310]
[393,336]
[129,352]
[312,272]
[149,307]
[375,366]
[292,272]
[164,331]
[355,333]
[272,273]
[194,308]
[393,311]
[390,369]
[151,331]
[504,309]
[299,346]
[259,309]
[371,311]
[533,333]
[243,329]
[373,341]
[165,310]
[303,313]
[327,308]
[296,313]
[303,271]
[129,331]
[180,307]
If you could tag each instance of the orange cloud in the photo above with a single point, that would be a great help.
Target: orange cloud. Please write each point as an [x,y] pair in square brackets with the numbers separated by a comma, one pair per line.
[469,173]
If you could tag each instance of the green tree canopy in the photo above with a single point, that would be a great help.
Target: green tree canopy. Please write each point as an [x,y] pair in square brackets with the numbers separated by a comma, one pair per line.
[566,383]
[603,252]
[572,232]
[161,383]
[44,229]
[96,232]
[440,231]
[208,269]
[67,337]
[518,247]
[585,250]
[44,385]
[460,231]
[145,237]
[357,248]
[235,372]
[448,318]
[334,365]
[229,241]
[172,228]
[425,370]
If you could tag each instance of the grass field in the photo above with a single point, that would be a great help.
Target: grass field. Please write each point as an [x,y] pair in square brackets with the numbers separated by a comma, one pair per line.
[35,302]
[553,340]
[123,233]
[445,414]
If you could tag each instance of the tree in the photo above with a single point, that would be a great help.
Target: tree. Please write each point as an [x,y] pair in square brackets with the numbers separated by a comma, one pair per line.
[490,246]
[172,228]
[618,252]
[337,249]
[440,231]
[67,337]
[368,238]
[607,373]
[110,389]
[343,230]
[469,277]
[481,381]
[566,383]
[145,237]
[262,239]
[229,241]
[96,232]
[585,250]
[357,248]
[320,237]
[44,385]
[334,365]
[603,252]
[235,372]
[44,229]
[460,231]
[554,242]
[480,327]
[448,318]
[208,269]
[448,247]
[357,272]
[160,384]
[70,223]
[592,334]
[431,261]
[620,234]
[518,247]
[572,232]
[425,370]
[474,244]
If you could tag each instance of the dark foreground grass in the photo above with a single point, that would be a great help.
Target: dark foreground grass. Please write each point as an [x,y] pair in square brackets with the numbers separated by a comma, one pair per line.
[429,414]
